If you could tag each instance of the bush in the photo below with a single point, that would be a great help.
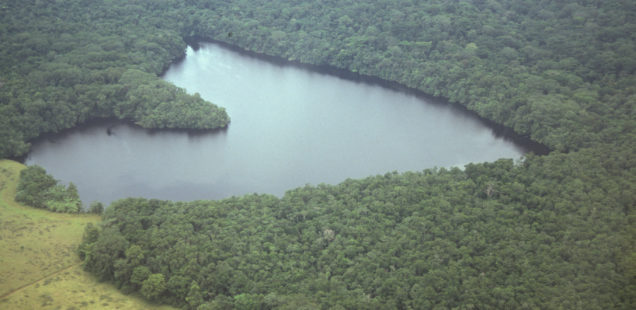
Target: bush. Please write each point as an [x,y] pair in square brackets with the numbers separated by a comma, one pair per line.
[38,189]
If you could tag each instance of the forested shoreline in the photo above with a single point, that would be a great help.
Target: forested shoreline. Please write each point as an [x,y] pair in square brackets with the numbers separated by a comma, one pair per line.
[549,232]
[498,129]
[61,67]
[499,235]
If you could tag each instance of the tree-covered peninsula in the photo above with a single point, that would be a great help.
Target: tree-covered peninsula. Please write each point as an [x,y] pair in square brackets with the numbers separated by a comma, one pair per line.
[546,232]
[65,63]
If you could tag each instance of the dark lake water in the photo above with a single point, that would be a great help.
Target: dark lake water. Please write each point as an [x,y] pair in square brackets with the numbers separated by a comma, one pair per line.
[290,127]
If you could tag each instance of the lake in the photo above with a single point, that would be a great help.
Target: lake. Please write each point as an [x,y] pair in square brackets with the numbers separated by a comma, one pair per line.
[290,126]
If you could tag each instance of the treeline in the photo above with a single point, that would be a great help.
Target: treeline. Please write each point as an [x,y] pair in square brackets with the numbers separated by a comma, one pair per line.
[38,189]
[561,72]
[493,236]
[63,64]
[551,232]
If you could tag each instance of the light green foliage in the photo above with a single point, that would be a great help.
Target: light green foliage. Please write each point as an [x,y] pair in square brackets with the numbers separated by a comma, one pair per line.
[39,269]
[38,189]
[152,287]
[248,302]
[61,199]
[194,298]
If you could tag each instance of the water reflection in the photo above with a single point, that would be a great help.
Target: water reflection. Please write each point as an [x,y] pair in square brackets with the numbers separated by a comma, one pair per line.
[289,127]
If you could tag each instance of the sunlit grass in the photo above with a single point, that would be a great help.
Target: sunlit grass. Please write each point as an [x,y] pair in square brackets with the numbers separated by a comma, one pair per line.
[38,264]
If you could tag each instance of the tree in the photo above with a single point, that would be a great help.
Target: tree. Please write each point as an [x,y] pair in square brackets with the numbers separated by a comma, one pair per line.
[38,189]
[61,199]
[33,187]
[109,247]
[152,287]
[139,275]
[71,192]
[194,298]
[91,234]
[96,207]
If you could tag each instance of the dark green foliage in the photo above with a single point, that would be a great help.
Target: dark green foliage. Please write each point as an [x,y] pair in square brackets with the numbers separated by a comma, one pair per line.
[33,187]
[91,234]
[79,61]
[560,72]
[494,235]
[38,189]
[139,275]
[552,232]
[545,69]
[154,103]
[101,255]
[96,207]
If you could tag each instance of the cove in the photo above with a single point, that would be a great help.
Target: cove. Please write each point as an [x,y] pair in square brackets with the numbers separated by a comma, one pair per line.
[290,127]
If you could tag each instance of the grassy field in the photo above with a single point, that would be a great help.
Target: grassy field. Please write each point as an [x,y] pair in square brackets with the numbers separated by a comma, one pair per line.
[39,268]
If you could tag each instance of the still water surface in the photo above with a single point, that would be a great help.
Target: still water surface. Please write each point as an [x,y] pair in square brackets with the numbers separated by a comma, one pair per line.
[290,127]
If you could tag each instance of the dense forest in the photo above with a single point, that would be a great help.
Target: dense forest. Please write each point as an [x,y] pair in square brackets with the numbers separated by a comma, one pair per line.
[499,236]
[64,63]
[547,232]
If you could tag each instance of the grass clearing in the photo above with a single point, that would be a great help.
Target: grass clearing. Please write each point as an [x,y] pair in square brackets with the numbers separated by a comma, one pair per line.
[38,264]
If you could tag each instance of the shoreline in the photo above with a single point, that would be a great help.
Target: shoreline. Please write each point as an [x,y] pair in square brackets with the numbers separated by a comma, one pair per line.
[499,130]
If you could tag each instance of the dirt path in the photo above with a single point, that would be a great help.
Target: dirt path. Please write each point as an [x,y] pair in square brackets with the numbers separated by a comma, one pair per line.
[3,296]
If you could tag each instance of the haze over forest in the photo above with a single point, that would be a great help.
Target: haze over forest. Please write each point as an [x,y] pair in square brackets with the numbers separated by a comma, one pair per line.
[545,232]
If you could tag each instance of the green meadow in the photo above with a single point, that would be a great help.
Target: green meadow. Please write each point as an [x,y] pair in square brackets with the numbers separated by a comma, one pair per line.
[39,268]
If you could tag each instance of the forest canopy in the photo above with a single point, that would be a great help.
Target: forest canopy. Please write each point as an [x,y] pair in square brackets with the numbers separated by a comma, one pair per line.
[495,236]
[548,232]
[64,63]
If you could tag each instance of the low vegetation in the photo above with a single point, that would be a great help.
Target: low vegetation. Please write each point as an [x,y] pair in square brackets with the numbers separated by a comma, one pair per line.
[38,189]
[550,232]
[39,268]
